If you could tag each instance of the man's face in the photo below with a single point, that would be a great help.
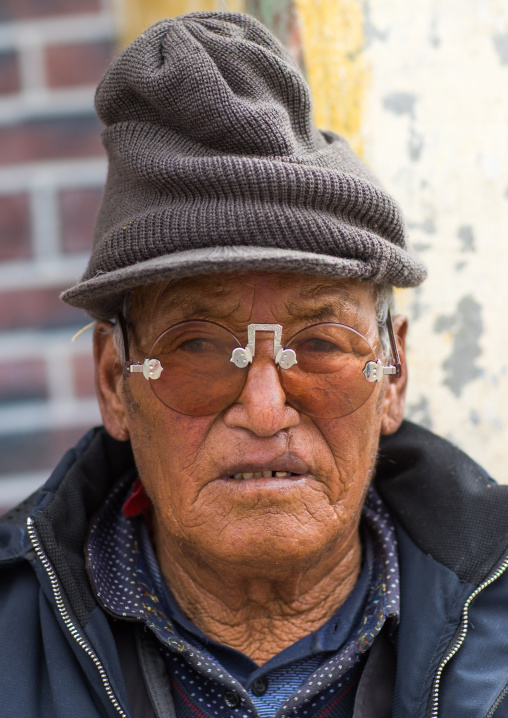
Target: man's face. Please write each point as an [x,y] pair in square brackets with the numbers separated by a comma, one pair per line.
[186,462]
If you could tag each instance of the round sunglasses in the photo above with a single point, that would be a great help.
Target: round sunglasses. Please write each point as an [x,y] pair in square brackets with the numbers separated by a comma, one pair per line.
[326,370]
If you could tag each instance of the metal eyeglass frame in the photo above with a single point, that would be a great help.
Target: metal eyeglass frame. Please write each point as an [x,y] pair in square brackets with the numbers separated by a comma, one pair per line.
[151,368]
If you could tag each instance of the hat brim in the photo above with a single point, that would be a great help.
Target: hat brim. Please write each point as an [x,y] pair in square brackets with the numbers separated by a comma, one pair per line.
[102,295]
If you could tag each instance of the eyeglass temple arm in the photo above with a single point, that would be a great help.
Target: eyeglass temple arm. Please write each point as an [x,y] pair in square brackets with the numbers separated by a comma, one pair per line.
[376,370]
[393,345]
[126,364]
[151,368]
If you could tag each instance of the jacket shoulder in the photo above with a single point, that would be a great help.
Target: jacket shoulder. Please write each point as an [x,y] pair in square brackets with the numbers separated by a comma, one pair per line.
[446,502]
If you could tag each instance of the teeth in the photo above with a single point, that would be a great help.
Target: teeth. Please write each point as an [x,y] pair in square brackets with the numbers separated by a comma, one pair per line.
[261,475]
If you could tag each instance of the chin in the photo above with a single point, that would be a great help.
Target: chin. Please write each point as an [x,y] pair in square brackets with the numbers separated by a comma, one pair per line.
[272,545]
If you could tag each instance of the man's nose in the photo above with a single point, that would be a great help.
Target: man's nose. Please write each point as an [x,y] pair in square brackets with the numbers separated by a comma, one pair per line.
[261,407]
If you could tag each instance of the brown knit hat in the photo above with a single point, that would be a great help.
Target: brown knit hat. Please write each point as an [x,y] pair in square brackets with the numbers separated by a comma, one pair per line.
[215,165]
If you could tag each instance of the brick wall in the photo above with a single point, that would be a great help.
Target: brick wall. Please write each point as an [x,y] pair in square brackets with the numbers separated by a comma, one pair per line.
[52,167]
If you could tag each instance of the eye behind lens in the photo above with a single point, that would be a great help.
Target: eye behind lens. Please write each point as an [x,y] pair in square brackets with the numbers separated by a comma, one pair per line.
[328,380]
[198,378]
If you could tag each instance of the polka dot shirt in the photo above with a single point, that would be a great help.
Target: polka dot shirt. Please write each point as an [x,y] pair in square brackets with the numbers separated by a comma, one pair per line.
[129,584]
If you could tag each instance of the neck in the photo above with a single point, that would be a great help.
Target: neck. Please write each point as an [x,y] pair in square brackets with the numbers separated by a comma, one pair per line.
[259,610]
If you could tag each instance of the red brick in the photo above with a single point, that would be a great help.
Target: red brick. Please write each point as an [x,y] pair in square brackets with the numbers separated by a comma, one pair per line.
[78,208]
[14,227]
[84,377]
[10,81]
[25,9]
[22,380]
[37,451]
[37,308]
[77,64]
[50,139]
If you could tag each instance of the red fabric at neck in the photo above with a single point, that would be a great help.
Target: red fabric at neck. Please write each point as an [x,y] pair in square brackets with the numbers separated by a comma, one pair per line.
[138,502]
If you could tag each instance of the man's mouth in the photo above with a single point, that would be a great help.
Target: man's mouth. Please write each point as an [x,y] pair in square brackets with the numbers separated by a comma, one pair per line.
[282,467]
[262,475]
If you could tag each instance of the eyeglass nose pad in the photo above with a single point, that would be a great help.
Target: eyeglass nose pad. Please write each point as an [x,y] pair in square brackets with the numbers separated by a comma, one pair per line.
[241,357]
[286,358]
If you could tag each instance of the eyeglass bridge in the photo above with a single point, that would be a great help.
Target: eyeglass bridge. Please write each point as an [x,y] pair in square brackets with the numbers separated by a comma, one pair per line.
[242,356]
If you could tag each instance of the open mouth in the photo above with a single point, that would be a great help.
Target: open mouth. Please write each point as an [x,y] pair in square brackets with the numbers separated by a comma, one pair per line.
[262,475]
[287,466]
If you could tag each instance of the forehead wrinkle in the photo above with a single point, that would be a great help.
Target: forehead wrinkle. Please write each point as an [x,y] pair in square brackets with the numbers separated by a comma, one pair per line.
[198,310]
[171,297]
[329,310]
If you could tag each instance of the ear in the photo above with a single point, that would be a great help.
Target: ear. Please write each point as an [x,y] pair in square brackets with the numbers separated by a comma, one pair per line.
[394,397]
[109,383]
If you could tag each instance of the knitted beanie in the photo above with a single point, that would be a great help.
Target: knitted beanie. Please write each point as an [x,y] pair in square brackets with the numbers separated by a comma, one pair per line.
[215,165]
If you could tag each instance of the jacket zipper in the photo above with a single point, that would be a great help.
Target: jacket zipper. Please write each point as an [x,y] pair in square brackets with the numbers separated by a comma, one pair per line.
[57,593]
[462,635]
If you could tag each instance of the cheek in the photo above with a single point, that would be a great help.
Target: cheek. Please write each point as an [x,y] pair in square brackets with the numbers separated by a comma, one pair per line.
[167,447]
[353,442]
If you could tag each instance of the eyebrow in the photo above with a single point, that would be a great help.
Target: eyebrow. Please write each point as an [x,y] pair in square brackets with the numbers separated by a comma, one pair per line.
[327,310]
[329,302]
[195,308]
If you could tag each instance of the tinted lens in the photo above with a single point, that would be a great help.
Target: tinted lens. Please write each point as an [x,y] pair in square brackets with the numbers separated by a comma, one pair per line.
[327,382]
[198,377]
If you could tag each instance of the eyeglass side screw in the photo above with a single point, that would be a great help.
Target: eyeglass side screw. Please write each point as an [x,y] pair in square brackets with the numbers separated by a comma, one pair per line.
[373,371]
[152,368]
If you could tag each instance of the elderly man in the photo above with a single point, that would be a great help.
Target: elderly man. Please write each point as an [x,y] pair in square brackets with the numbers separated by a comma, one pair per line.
[219,548]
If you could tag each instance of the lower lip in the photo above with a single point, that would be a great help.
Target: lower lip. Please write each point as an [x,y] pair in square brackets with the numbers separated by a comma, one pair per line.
[263,484]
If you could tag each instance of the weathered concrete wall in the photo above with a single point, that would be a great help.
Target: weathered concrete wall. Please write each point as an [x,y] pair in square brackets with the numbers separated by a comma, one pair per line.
[421,91]
[435,129]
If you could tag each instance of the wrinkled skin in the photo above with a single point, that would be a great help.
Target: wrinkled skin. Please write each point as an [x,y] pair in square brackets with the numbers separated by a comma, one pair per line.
[257,563]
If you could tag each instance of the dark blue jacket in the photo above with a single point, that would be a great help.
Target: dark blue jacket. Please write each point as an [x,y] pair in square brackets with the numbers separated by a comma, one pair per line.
[58,656]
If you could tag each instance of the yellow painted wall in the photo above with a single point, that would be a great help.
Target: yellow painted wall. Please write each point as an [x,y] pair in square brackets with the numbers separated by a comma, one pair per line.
[333,42]
[136,15]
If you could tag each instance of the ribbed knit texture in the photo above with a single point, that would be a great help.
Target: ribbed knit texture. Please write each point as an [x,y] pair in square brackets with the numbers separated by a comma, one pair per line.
[215,165]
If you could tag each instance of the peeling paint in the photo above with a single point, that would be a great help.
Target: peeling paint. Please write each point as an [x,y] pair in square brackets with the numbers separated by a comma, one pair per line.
[434,38]
[474,418]
[400,103]
[466,327]
[444,324]
[415,145]
[466,235]
[501,47]
[372,32]
[428,225]
[418,307]
[420,413]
